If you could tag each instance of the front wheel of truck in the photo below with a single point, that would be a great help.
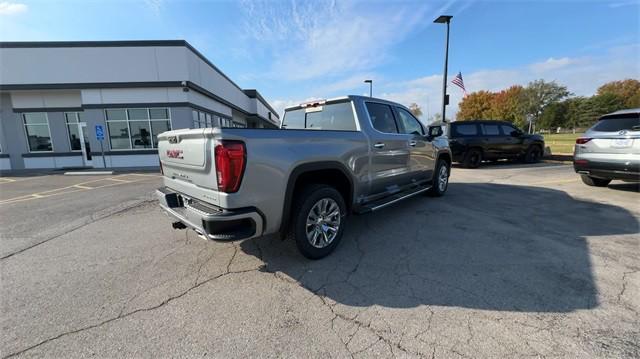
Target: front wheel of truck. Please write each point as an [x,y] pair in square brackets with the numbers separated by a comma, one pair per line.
[440,181]
[318,220]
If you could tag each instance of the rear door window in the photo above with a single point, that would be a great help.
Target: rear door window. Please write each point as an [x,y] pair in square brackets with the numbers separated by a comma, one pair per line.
[618,123]
[382,117]
[408,123]
[490,130]
[468,129]
[336,116]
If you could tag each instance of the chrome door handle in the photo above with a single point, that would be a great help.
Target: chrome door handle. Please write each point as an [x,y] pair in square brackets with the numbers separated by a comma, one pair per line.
[412,143]
[379,145]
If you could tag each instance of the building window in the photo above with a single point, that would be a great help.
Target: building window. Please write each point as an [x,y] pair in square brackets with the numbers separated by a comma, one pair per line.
[136,128]
[229,123]
[203,119]
[72,119]
[36,126]
[226,122]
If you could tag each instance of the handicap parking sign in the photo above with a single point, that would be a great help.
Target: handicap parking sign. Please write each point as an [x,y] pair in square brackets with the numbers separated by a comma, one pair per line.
[99,132]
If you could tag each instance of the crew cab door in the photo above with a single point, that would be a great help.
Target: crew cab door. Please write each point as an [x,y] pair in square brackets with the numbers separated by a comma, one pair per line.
[421,152]
[390,167]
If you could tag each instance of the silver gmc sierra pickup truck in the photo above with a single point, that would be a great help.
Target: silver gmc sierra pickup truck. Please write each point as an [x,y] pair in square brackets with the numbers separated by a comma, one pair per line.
[330,158]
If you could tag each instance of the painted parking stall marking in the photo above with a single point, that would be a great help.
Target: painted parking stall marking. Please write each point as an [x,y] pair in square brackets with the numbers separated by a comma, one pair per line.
[83,186]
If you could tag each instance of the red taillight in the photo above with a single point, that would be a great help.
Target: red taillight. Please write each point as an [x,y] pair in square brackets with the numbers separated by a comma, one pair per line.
[230,159]
[582,140]
[581,162]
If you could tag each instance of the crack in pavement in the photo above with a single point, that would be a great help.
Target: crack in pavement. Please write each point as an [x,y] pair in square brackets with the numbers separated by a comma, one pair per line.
[354,320]
[361,325]
[121,316]
[624,284]
[213,253]
[368,347]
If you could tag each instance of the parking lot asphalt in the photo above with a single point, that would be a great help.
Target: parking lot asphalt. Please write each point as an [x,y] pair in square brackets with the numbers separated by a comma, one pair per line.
[514,261]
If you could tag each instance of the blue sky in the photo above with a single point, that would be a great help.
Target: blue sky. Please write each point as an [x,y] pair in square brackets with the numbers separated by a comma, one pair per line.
[292,51]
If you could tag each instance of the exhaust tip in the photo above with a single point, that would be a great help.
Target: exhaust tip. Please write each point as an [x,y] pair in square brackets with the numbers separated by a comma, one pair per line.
[178,225]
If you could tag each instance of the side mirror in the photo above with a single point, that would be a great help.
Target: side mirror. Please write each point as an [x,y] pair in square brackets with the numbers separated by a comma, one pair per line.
[516,133]
[435,131]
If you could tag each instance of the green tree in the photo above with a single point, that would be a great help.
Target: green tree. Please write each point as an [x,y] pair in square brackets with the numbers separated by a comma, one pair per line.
[554,116]
[476,106]
[415,109]
[577,115]
[539,94]
[627,91]
[606,103]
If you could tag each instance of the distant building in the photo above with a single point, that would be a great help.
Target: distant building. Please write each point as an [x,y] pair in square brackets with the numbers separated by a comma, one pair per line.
[53,95]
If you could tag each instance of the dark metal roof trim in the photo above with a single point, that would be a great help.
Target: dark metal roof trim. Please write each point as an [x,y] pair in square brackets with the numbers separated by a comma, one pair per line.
[255,94]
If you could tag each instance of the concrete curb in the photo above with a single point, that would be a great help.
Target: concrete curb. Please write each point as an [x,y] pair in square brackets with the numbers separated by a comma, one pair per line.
[565,157]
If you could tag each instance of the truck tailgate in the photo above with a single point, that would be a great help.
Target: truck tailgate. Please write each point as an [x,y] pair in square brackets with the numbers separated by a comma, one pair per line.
[184,148]
[187,162]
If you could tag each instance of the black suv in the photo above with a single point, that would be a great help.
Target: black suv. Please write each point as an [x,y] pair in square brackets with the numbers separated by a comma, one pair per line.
[474,141]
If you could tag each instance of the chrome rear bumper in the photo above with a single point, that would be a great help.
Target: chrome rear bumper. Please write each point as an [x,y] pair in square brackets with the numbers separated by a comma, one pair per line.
[210,221]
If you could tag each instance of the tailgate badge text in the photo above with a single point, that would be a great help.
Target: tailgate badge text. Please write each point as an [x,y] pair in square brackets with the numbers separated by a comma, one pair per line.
[175,154]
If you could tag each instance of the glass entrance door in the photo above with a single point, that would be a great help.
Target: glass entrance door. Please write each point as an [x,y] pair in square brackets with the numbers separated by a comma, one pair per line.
[85,147]
[79,136]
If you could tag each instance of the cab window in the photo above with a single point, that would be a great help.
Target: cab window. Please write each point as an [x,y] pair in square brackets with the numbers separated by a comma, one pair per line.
[382,117]
[408,123]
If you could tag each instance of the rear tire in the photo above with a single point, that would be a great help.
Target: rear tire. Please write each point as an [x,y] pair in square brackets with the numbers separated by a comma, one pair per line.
[317,198]
[593,181]
[440,181]
[472,158]
[533,154]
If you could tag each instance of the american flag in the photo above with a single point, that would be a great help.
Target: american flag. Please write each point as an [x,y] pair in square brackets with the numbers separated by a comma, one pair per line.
[458,82]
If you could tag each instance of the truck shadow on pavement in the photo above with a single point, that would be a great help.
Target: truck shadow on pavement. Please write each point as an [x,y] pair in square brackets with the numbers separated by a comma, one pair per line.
[482,246]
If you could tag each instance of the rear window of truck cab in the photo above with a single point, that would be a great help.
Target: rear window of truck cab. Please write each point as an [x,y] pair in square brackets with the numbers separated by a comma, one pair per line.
[332,116]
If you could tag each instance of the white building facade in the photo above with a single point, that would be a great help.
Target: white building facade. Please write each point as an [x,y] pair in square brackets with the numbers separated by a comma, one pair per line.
[56,98]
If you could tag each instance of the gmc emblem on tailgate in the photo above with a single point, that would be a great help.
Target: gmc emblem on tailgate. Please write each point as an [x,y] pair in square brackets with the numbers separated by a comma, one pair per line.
[173,139]
[175,154]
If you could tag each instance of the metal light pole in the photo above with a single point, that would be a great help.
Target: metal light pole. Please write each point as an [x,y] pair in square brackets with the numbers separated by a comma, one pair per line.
[370,82]
[445,19]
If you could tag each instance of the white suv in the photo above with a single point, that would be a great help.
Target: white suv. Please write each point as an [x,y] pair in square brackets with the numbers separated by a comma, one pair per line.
[610,149]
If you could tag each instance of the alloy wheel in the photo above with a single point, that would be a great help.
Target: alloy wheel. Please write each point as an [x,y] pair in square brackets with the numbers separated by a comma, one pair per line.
[323,223]
[443,178]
